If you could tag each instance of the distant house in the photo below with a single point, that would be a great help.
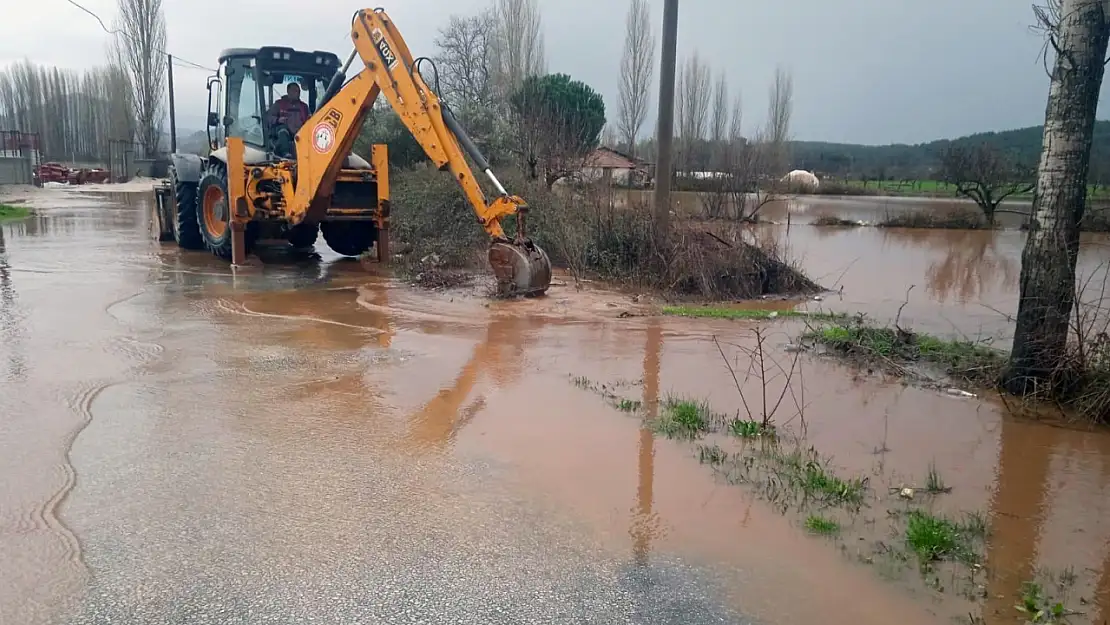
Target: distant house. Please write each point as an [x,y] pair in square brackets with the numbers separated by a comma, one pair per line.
[619,168]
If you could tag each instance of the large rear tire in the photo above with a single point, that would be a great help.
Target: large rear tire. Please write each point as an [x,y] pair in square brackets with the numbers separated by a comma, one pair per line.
[213,212]
[185,230]
[349,238]
[303,236]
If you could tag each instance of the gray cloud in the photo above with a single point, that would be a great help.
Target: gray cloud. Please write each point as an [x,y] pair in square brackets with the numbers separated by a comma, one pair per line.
[865,71]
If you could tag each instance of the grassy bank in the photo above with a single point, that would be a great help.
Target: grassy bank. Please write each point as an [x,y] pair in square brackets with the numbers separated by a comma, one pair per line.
[718,312]
[898,351]
[8,212]
[1080,385]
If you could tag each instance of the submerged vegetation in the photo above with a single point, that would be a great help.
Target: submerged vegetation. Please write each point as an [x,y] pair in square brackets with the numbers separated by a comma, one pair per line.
[763,447]
[955,219]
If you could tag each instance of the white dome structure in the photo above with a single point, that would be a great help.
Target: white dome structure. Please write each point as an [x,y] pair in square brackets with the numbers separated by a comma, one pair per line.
[802,179]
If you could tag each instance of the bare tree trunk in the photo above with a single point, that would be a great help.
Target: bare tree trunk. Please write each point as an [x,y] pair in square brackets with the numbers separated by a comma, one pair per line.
[1079,37]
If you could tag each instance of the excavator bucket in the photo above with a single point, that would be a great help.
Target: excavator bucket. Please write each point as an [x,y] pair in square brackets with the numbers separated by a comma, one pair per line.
[520,268]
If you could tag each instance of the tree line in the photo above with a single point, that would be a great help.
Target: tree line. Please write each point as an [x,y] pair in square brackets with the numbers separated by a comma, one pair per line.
[924,161]
[77,114]
[74,114]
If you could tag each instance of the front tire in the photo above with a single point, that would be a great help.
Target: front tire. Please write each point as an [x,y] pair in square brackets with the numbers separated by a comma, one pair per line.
[213,212]
[349,238]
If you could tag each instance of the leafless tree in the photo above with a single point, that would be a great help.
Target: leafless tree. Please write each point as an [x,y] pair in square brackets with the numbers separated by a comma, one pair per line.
[718,127]
[519,49]
[780,108]
[637,67]
[74,114]
[465,53]
[736,121]
[465,56]
[985,175]
[609,136]
[1077,33]
[692,107]
[141,42]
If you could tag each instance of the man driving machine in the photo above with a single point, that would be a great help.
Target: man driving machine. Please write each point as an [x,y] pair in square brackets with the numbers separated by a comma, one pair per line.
[288,111]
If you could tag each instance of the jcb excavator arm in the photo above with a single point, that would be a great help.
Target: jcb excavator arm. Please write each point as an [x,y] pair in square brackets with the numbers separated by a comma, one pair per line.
[327,137]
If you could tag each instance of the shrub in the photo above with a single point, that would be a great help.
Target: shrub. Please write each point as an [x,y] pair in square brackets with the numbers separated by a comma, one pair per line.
[955,219]
[579,230]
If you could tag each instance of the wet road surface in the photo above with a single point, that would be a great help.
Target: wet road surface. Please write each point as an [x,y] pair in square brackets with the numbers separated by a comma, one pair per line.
[312,442]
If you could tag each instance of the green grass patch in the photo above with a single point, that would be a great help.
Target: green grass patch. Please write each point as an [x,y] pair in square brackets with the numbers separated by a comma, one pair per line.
[8,211]
[896,348]
[821,525]
[937,538]
[713,312]
[683,418]
[750,428]
[816,479]
[1038,607]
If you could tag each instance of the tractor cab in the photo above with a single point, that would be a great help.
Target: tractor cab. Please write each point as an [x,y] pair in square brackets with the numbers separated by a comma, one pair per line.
[250,80]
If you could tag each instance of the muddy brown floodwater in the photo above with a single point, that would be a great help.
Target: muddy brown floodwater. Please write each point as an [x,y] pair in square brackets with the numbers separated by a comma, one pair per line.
[312,440]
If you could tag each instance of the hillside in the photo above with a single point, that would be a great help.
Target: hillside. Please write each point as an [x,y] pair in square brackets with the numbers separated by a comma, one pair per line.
[919,161]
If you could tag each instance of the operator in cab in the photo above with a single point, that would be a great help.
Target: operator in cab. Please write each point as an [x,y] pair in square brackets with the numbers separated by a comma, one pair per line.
[286,116]
[289,109]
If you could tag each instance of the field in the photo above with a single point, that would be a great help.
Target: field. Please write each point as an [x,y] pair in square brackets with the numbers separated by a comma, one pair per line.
[920,188]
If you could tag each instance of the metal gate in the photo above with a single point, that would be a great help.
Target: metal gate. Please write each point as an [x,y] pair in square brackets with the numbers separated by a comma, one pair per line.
[19,156]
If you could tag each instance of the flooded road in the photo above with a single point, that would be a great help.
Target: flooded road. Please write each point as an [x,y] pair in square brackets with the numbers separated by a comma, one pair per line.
[313,442]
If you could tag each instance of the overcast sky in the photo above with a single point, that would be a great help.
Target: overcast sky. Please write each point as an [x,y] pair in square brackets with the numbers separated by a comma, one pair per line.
[865,71]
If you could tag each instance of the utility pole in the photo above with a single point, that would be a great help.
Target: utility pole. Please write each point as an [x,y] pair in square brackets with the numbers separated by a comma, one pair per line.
[665,133]
[173,117]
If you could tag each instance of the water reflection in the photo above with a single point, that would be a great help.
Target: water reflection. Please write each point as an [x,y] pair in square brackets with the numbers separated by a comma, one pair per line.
[644,521]
[499,356]
[11,324]
[1018,511]
[971,263]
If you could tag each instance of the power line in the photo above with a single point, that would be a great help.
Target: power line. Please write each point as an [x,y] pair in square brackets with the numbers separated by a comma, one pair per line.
[116,31]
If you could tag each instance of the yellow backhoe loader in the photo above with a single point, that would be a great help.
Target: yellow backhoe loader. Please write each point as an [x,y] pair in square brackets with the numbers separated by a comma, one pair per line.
[263,179]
